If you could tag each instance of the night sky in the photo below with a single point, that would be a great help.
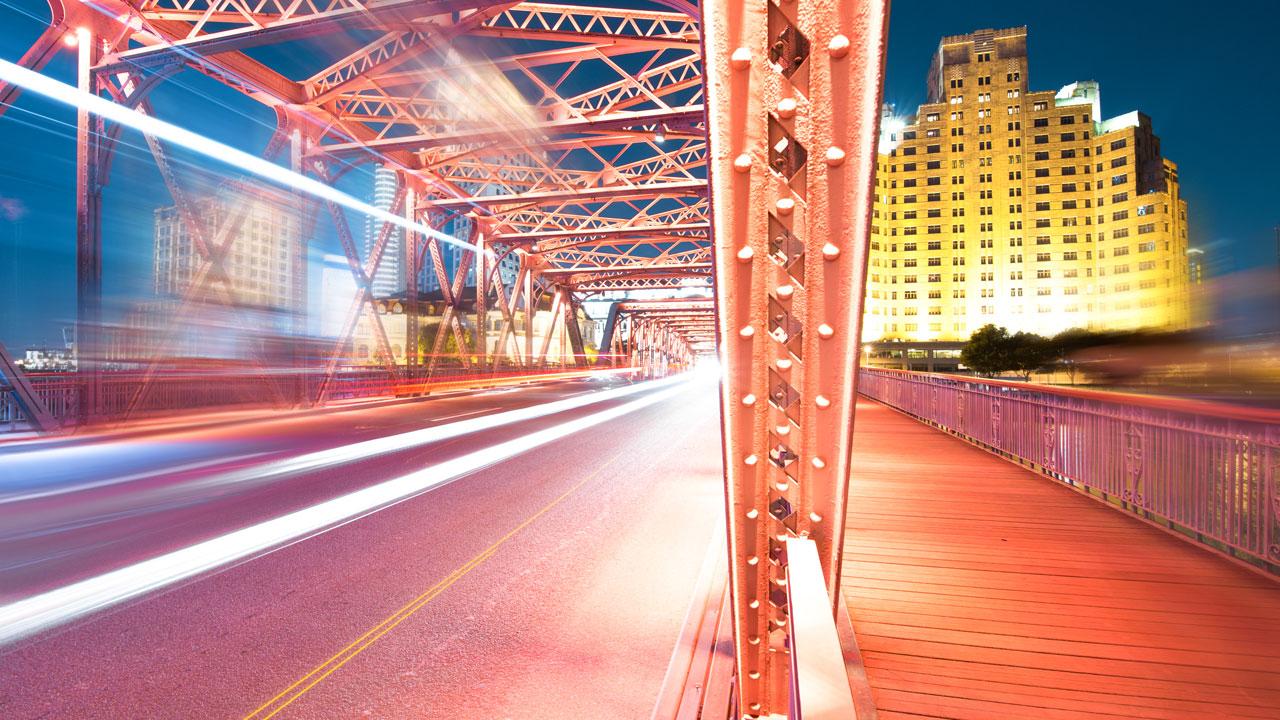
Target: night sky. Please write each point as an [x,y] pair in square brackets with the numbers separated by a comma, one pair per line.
[1205,78]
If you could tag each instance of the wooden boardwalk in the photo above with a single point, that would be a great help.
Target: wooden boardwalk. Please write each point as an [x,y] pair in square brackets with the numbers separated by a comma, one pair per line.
[978,589]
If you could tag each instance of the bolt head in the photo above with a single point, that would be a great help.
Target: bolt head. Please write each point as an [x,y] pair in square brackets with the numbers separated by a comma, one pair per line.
[821,401]
[786,205]
[740,59]
[742,163]
[745,254]
[787,107]
[825,331]
[785,291]
[747,331]
[839,46]
[830,252]
[835,156]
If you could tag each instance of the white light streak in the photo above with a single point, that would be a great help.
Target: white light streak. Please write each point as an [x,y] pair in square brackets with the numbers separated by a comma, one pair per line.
[61,92]
[56,607]
[331,457]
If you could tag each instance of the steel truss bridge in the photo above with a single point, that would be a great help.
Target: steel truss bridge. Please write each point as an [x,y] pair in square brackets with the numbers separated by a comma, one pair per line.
[707,168]
[727,146]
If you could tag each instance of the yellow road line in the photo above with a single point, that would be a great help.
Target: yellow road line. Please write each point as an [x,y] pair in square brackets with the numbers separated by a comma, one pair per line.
[285,697]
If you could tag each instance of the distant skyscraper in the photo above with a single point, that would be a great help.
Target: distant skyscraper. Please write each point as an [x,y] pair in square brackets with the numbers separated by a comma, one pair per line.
[1001,204]
[257,263]
[389,280]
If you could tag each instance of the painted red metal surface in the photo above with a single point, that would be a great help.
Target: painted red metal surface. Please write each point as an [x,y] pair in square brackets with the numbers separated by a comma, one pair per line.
[793,91]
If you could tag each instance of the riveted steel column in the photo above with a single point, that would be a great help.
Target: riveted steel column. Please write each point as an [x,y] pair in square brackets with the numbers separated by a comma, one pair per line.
[793,91]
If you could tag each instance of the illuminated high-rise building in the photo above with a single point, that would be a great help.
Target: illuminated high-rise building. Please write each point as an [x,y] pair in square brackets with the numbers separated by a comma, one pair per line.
[257,262]
[389,279]
[1004,205]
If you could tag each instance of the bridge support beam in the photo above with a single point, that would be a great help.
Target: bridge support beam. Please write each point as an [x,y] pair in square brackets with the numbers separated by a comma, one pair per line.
[793,95]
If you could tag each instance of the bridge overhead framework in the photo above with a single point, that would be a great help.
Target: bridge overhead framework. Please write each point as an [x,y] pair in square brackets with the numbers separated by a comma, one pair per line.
[723,150]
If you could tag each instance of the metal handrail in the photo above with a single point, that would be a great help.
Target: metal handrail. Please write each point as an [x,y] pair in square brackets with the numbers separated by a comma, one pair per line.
[1207,470]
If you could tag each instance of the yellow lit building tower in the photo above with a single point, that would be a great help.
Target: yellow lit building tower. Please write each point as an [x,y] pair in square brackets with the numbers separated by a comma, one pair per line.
[997,204]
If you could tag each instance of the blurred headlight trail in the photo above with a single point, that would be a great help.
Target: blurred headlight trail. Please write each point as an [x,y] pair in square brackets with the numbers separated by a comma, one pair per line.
[225,154]
[40,612]
[362,450]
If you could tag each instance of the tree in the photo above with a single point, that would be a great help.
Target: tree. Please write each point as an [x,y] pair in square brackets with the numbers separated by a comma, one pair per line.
[1067,343]
[988,351]
[1028,353]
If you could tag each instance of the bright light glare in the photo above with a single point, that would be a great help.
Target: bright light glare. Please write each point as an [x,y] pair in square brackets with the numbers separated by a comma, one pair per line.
[707,367]
[61,92]
[25,617]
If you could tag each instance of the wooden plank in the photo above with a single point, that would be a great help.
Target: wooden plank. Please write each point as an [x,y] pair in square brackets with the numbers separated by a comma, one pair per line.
[978,589]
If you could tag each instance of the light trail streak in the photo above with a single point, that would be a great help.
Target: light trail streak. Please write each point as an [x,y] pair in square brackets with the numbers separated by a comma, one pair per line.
[331,457]
[56,607]
[61,92]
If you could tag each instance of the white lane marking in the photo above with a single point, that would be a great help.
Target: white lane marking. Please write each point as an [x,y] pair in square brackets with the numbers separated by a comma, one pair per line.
[378,446]
[25,617]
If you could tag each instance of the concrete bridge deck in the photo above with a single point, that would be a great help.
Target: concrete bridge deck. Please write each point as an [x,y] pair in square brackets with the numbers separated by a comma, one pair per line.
[979,589]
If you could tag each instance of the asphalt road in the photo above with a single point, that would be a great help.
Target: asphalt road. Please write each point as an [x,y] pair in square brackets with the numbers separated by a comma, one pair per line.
[548,580]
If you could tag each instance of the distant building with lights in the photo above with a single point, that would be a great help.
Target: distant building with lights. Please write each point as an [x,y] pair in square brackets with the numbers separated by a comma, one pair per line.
[258,261]
[389,278]
[999,204]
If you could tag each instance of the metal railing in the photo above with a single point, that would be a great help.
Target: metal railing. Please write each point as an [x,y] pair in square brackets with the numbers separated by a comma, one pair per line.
[1206,470]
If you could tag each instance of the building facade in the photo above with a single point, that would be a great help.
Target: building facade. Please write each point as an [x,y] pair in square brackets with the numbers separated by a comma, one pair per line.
[1004,205]
[389,278]
[258,262]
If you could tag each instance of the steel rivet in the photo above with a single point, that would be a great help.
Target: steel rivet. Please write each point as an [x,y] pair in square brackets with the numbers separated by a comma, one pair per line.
[785,291]
[753,560]
[830,252]
[784,364]
[825,331]
[787,107]
[785,205]
[748,399]
[746,253]
[782,487]
[740,59]
[750,460]
[839,46]
[747,331]
[754,675]
[742,163]
[754,640]
[815,517]
[821,401]
[835,156]
[754,604]
[752,514]
[783,429]
[818,463]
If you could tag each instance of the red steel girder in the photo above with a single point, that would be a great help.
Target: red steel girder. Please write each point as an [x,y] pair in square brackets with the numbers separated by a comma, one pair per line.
[791,234]
[641,121]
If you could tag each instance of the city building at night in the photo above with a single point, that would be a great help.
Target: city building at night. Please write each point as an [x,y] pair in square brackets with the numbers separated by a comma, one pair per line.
[1016,207]
[389,278]
[258,262]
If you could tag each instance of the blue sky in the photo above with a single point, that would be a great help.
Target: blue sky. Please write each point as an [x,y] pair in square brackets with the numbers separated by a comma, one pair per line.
[1205,78]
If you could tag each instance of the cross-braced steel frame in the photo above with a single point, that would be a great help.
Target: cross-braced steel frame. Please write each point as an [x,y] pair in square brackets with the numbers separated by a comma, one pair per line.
[729,146]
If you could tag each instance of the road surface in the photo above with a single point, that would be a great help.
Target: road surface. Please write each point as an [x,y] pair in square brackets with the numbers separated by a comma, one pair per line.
[549,579]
